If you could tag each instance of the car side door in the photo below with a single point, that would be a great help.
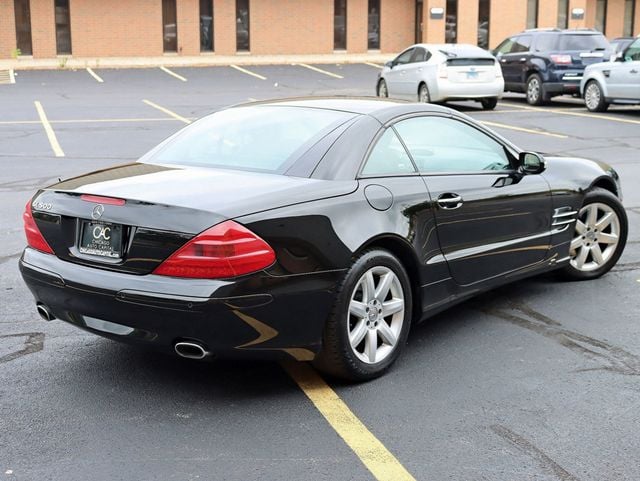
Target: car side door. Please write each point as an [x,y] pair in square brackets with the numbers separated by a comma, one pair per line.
[415,70]
[396,77]
[513,55]
[624,77]
[491,219]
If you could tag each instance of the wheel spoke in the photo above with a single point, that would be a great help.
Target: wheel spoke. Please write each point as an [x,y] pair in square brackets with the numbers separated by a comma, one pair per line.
[582,256]
[605,220]
[580,227]
[357,335]
[384,285]
[592,216]
[368,287]
[392,306]
[358,309]
[607,238]
[387,335]
[596,253]
[371,345]
[575,243]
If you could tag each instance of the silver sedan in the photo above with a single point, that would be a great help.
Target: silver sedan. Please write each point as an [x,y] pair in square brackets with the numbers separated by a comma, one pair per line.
[437,73]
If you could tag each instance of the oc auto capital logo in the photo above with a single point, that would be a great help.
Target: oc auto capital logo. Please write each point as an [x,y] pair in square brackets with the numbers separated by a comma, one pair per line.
[97,212]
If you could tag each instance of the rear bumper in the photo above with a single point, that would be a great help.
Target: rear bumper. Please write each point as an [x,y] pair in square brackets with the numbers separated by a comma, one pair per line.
[447,90]
[563,82]
[258,316]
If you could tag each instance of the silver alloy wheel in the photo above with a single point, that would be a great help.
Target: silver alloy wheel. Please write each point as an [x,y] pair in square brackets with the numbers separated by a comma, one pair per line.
[592,96]
[533,90]
[382,89]
[376,315]
[597,234]
[423,95]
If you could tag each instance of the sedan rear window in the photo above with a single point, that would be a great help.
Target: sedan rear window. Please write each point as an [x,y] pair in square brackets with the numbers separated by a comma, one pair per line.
[463,62]
[583,42]
[258,138]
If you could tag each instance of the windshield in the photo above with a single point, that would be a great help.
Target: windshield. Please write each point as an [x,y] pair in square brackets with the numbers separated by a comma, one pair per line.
[264,138]
[583,42]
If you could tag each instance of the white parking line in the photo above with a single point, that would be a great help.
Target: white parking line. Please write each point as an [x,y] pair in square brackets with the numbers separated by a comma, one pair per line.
[316,69]
[12,76]
[48,130]
[173,74]
[248,72]
[167,111]
[371,64]
[576,114]
[94,75]
[522,129]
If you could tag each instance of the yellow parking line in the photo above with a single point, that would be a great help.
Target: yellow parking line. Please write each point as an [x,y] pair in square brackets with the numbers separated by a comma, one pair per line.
[167,111]
[48,130]
[371,64]
[522,129]
[576,114]
[248,72]
[173,74]
[504,111]
[94,75]
[316,69]
[383,465]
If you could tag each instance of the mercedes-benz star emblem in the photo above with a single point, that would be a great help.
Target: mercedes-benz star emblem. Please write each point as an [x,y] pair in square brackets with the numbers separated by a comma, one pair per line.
[97,212]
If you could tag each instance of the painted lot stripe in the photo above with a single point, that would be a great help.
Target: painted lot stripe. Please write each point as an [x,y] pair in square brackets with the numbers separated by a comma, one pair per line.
[91,121]
[48,130]
[248,72]
[371,64]
[167,111]
[383,465]
[316,69]
[522,129]
[576,114]
[173,74]
[94,75]
[12,76]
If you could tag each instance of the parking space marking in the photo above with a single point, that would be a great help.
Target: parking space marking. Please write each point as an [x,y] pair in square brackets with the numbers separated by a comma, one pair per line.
[374,455]
[173,74]
[57,150]
[94,75]
[496,111]
[371,64]
[248,72]
[316,69]
[522,129]
[12,76]
[576,114]
[167,111]
[91,121]
[251,99]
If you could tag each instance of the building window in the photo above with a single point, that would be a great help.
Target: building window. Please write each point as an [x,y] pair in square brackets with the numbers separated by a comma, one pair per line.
[63,27]
[484,11]
[242,26]
[419,11]
[23,26]
[629,16]
[340,24]
[373,36]
[601,15]
[563,13]
[169,26]
[532,13]
[451,24]
[206,25]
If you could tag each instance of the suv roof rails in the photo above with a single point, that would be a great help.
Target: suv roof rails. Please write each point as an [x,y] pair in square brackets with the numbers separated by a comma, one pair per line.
[543,29]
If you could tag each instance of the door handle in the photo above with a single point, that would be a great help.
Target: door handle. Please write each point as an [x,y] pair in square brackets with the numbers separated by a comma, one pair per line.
[449,201]
[633,71]
[523,59]
[504,60]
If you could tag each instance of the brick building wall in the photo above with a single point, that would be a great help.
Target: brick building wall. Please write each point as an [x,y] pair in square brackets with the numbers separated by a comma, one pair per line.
[112,28]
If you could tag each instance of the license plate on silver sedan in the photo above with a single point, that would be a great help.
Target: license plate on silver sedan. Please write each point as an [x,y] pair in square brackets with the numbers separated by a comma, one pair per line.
[101,239]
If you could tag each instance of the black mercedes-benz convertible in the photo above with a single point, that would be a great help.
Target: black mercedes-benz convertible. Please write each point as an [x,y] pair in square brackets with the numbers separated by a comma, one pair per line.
[313,229]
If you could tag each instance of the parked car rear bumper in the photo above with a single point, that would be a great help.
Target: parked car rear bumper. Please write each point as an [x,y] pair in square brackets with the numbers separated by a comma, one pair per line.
[447,90]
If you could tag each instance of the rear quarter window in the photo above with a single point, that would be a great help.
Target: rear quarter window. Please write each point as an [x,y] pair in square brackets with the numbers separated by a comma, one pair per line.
[583,42]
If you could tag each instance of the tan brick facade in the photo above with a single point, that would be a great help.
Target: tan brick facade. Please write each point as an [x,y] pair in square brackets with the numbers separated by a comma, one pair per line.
[130,28]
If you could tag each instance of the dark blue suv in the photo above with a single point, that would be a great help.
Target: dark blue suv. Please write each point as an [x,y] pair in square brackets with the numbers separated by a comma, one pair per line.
[544,63]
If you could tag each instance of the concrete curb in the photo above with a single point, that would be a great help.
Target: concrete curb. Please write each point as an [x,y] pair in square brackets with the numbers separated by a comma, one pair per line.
[70,63]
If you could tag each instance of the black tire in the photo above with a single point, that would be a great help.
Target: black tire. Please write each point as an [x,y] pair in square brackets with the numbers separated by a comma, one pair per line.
[337,357]
[381,89]
[596,197]
[594,98]
[489,103]
[535,91]
[423,94]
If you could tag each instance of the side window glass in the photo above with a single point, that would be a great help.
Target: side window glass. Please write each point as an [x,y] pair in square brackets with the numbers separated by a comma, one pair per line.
[404,57]
[388,157]
[633,52]
[439,144]
[505,47]
[420,55]
[522,44]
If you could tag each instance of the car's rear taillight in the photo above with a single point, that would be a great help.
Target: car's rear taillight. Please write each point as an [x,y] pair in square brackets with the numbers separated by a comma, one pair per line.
[224,250]
[497,69]
[561,59]
[442,70]
[34,236]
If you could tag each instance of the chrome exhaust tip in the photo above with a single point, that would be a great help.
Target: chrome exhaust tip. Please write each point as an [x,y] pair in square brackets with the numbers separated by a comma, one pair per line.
[44,312]
[190,350]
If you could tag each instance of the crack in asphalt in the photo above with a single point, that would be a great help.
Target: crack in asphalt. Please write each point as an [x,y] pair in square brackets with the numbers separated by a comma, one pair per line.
[33,343]
[629,266]
[528,448]
[7,258]
[612,358]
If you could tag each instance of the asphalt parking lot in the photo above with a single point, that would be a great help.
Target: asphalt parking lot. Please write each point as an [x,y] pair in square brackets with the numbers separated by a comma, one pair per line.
[537,380]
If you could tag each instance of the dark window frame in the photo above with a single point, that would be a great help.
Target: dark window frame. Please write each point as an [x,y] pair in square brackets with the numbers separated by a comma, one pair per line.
[565,25]
[169,8]
[60,50]
[211,45]
[239,43]
[482,19]
[632,16]
[373,45]
[337,45]
[604,15]
[24,38]
[448,10]
[535,14]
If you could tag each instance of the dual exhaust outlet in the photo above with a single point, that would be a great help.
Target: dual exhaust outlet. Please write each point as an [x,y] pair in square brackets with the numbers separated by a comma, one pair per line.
[189,350]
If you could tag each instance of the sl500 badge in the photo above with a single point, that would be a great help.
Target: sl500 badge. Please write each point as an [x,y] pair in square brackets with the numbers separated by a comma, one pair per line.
[42,206]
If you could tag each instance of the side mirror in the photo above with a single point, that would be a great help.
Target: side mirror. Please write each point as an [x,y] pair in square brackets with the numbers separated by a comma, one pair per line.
[619,57]
[531,163]
[389,64]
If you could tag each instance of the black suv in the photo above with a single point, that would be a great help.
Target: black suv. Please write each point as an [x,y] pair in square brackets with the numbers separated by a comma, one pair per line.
[546,62]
